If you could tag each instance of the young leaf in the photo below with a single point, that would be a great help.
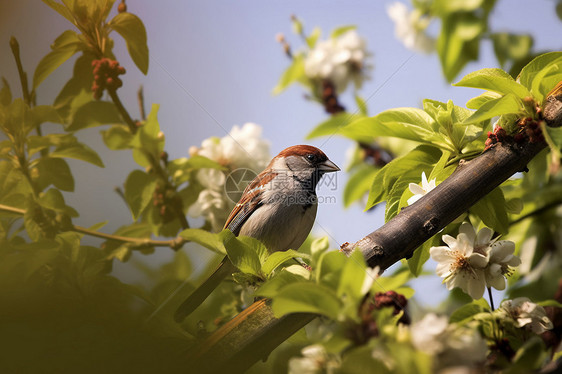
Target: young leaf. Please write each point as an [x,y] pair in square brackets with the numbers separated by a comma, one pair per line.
[341,30]
[306,297]
[492,212]
[117,137]
[353,276]
[214,242]
[482,99]
[131,28]
[294,73]
[60,9]
[421,255]
[495,80]
[243,256]
[78,151]
[529,72]
[139,189]
[359,184]
[332,125]
[507,104]
[512,47]
[94,113]
[466,312]
[277,258]
[65,46]
[54,171]
[313,37]
[274,285]
[5,93]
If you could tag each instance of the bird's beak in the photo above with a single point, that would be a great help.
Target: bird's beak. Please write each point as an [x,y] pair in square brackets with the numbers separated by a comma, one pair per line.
[328,167]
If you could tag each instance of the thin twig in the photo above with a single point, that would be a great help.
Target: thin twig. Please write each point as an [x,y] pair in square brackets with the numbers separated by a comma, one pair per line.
[14,45]
[173,243]
[124,114]
[140,96]
[536,212]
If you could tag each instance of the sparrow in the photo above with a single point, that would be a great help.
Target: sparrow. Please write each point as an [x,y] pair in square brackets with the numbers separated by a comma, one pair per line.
[278,208]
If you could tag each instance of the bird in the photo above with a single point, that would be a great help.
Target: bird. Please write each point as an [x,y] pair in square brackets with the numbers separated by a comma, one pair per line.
[278,208]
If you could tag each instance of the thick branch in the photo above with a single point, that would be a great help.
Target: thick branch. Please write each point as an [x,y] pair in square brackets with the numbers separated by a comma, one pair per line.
[252,334]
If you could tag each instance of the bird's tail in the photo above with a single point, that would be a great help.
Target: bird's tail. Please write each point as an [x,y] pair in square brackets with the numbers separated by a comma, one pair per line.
[224,269]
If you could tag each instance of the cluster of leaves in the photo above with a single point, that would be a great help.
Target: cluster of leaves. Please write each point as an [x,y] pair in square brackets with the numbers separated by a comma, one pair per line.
[463,27]
[50,278]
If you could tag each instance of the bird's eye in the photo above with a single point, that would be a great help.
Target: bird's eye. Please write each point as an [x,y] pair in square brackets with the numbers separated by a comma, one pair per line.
[310,157]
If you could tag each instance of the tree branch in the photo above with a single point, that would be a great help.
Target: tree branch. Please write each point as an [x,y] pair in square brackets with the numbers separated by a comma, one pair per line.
[252,334]
[140,242]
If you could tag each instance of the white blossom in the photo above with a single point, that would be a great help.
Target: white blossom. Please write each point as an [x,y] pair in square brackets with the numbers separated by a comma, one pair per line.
[526,314]
[418,191]
[243,147]
[427,334]
[500,261]
[410,27]
[340,60]
[462,262]
[315,360]
[450,344]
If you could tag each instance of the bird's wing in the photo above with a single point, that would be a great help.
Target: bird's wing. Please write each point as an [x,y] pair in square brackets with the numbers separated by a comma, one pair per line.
[251,199]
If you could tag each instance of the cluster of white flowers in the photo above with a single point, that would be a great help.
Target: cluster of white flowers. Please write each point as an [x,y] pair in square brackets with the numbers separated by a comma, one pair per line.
[473,261]
[241,148]
[314,360]
[451,345]
[410,27]
[526,314]
[340,60]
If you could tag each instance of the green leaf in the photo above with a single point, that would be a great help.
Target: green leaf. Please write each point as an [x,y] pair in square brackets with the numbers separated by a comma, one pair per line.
[361,105]
[313,37]
[117,137]
[271,288]
[277,258]
[553,137]
[5,93]
[466,312]
[139,190]
[65,46]
[482,99]
[394,282]
[421,255]
[495,80]
[214,242]
[306,297]
[78,151]
[353,276]
[294,73]
[55,171]
[148,141]
[45,113]
[53,199]
[507,104]
[332,125]
[60,9]
[406,169]
[452,6]
[94,113]
[530,70]
[458,42]
[131,28]
[337,32]
[492,212]
[359,184]
[546,79]
[508,46]
[243,256]
[406,123]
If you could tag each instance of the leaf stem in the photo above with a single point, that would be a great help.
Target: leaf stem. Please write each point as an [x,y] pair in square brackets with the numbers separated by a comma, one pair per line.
[122,111]
[140,96]
[175,244]
[491,298]
[538,211]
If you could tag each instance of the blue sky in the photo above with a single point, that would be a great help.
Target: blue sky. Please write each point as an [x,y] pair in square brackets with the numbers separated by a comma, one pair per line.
[213,64]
